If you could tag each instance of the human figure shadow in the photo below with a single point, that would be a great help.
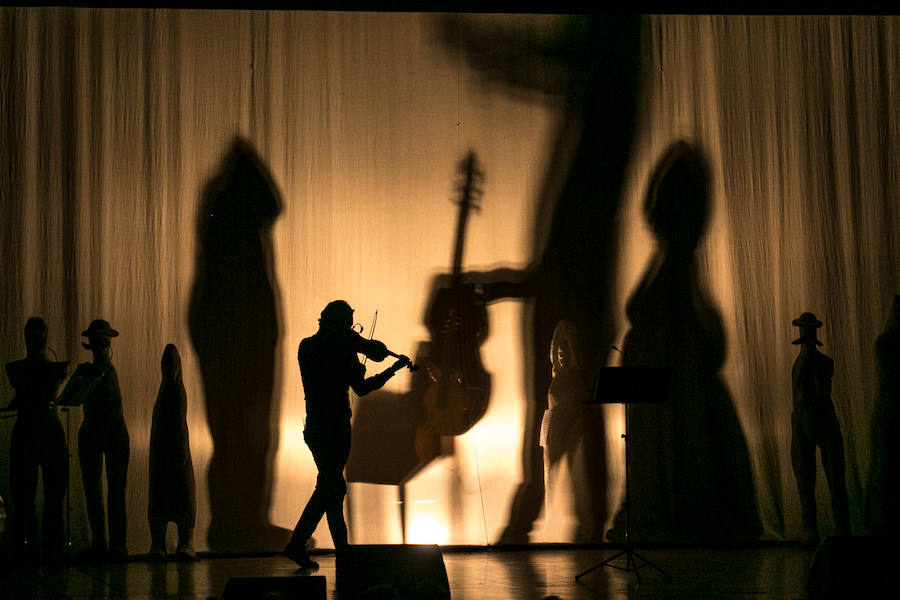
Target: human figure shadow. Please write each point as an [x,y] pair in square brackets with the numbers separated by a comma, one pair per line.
[690,474]
[883,489]
[589,69]
[235,328]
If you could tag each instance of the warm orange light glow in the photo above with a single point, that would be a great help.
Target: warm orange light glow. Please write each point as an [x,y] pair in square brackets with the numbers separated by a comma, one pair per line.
[427,527]
[360,119]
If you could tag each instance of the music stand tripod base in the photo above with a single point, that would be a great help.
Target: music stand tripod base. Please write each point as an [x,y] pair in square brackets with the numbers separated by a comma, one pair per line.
[630,564]
[627,385]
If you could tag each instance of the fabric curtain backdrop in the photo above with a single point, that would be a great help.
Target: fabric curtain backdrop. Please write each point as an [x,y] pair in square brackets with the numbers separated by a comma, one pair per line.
[119,126]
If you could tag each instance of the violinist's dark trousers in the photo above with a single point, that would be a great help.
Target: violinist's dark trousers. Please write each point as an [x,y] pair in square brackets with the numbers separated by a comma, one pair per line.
[93,446]
[38,444]
[331,454]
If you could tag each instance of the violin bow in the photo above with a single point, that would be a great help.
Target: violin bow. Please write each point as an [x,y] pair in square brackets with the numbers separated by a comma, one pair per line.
[371,332]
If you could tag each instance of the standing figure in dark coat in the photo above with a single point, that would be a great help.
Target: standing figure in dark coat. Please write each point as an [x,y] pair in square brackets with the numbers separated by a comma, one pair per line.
[814,423]
[689,474]
[38,441]
[172,495]
[103,434]
[329,367]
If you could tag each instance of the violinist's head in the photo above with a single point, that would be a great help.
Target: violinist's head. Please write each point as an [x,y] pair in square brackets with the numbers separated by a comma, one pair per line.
[337,315]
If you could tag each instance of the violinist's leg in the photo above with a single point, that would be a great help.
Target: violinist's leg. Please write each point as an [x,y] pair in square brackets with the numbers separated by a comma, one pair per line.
[337,489]
[311,515]
[335,514]
[312,512]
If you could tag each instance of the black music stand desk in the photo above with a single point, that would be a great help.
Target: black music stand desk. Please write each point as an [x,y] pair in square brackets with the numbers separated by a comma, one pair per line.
[629,385]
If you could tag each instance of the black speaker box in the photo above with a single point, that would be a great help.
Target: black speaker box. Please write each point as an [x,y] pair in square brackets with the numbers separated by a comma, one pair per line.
[852,566]
[275,588]
[407,572]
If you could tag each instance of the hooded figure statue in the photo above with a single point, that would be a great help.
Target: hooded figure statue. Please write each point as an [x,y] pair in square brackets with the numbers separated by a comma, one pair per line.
[172,495]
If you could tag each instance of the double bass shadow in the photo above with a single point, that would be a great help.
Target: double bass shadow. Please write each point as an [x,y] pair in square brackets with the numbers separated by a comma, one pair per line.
[395,436]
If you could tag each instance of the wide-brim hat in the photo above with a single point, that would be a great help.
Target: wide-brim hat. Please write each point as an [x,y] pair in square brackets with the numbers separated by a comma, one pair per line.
[808,323]
[99,328]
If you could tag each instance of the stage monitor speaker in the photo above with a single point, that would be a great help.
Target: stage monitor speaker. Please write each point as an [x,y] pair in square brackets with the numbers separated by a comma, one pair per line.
[275,588]
[851,566]
[404,572]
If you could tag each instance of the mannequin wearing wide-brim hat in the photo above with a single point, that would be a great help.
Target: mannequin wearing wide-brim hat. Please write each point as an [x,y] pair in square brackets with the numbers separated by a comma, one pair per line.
[103,436]
[814,424]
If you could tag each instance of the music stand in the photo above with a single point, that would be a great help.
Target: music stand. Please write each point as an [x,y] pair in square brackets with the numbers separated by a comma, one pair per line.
[73,396]
[628,385]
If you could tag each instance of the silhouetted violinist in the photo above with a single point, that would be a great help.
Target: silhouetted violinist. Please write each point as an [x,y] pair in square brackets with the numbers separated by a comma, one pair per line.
[329,367]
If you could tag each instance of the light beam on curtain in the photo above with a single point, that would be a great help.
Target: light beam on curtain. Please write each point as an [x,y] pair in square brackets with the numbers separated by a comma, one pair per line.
[113,122]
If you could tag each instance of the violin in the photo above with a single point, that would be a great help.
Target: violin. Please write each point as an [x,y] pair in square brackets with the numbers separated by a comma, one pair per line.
[376,350]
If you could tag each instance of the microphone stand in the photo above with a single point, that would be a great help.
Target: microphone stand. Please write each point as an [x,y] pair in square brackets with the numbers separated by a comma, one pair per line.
[66,409]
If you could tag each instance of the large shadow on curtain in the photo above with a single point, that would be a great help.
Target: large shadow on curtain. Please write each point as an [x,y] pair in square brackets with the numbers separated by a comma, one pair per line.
[689,465]
[235,328]
[590,69]
[883,488]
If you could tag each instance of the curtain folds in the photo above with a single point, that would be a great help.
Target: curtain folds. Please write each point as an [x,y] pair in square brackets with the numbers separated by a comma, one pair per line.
[117,126]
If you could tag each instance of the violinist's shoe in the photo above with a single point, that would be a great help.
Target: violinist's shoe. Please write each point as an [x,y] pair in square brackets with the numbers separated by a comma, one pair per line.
[297,552]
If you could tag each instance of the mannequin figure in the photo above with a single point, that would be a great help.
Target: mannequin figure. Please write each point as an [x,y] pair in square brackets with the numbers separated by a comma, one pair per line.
[103,437]
[38,442]
[172,494]
[814,423]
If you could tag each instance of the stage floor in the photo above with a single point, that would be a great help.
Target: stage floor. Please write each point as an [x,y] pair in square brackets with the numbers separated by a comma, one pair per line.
[777,571]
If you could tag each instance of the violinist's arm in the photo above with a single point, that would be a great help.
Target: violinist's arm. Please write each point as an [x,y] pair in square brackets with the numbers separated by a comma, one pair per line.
[370,384]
